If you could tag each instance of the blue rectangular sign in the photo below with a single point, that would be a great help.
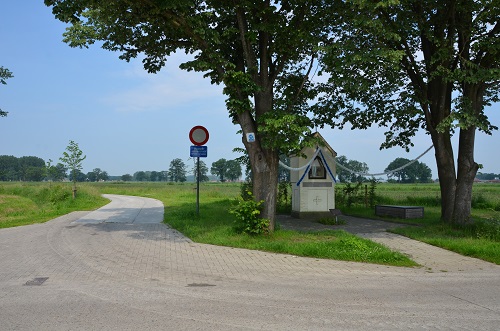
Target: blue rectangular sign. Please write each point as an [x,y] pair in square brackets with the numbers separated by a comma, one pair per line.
[198,151]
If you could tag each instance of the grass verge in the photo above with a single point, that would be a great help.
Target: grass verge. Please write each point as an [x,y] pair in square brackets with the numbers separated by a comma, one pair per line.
[30,203]
[463,240]
[476,240]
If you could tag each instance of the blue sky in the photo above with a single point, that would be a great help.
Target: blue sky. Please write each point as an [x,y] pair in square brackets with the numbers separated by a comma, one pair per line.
[126,120]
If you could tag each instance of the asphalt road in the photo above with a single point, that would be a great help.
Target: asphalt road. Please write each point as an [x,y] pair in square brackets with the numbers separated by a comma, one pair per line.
[120,268]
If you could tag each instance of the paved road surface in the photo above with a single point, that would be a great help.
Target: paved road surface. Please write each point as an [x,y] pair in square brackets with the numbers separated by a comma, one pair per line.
[89,271]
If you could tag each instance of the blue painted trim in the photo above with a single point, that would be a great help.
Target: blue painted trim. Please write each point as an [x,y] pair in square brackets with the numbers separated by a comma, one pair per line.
[302,178]
[327,167]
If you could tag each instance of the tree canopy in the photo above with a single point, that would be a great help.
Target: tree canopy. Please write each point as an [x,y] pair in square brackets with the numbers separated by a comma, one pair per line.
[354,165]
[226,169]
[177,171]
[4,75]
[410,64]
[412,173]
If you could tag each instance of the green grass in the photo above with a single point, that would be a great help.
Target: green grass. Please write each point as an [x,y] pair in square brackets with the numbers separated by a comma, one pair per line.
[462,240]
[215,226]
[473,240]
[29,203]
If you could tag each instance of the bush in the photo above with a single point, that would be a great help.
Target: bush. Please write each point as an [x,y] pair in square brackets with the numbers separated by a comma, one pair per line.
[487,229]
[246,190]
[247,217]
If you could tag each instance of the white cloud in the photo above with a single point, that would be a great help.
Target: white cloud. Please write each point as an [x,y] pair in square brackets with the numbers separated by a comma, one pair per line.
[170,88]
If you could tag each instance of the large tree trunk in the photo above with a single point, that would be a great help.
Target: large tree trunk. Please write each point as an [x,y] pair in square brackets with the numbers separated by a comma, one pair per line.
[467,167]
[446,172]
[467,170]
[264,161]
[265,182]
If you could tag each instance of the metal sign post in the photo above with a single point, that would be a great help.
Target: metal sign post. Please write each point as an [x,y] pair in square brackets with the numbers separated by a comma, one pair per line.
[199,137]
[198,186]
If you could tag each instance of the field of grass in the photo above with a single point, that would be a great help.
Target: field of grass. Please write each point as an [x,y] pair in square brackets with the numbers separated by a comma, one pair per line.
[27,203]
[485,200]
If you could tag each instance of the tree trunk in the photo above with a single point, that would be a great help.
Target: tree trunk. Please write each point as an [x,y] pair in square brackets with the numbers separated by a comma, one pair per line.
[467,167]
[264,161]
[446,172]
[265,183]
[467,170]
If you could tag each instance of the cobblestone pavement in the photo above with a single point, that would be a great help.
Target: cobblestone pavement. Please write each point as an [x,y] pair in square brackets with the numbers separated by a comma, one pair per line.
[83,271]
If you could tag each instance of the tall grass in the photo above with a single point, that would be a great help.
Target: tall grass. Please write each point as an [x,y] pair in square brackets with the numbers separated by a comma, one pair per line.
[29,203]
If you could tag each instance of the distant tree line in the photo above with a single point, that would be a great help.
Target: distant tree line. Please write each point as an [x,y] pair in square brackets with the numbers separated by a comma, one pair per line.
[35,169]
[25,168]
[178,172]
[487,176]
[416,172]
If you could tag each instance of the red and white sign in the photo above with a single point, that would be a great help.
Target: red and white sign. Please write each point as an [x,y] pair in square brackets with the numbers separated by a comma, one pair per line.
[198,135]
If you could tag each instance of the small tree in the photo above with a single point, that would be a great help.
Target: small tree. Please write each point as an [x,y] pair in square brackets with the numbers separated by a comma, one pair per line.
[203,171]
[233,170]
[127,178]
[140,176]
[219,169]
[177,171]
[73,158]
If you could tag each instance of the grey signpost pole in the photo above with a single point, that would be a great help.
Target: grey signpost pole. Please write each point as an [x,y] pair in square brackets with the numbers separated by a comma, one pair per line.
[198,186]
[199,137]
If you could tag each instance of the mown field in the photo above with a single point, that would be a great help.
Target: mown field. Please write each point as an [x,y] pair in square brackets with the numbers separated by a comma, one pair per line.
[28,203]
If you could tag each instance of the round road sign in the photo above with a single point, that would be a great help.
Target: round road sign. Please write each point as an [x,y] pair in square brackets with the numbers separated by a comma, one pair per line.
[198,135]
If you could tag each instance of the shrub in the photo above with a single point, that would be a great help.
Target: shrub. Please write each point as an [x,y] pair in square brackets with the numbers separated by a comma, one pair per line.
[247,217]
[246,190]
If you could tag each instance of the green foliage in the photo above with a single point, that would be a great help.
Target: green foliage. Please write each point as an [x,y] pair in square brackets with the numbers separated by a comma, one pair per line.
[177,171]
[4,75]
[247,217]
[487,229]
[413,172]
[372,196]
[357,166]
[226,169]
[284,199]
[246,190]
[479,202]
[73,158]
[351,194]
[332,221]
[54,194]
[24,168]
